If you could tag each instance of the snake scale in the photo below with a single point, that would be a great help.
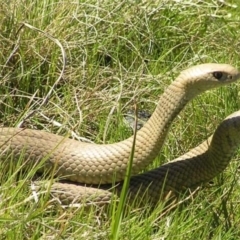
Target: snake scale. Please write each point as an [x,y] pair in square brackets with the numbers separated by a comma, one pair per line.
[99,164]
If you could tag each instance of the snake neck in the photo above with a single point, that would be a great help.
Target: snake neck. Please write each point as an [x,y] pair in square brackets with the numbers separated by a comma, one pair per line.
[149,141]
[155,130]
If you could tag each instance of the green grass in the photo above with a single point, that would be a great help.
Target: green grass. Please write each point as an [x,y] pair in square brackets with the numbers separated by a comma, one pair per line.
[118,53]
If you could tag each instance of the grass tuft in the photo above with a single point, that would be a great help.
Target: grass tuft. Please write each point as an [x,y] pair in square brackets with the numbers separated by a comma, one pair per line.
[76,67]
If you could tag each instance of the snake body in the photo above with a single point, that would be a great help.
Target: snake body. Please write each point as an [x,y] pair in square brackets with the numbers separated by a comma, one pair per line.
[101,163]
[195,167]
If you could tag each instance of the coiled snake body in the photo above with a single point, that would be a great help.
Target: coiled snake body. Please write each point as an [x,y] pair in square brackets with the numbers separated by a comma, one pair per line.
[99,164]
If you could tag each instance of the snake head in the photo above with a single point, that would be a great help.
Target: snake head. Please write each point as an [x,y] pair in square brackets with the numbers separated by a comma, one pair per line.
[204,77]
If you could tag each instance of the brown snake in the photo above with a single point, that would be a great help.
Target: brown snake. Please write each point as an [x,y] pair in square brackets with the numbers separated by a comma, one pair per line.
[88,163]
[197,166]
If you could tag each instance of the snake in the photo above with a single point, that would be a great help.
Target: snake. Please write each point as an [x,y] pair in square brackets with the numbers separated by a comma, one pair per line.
[197,166]
[101,164]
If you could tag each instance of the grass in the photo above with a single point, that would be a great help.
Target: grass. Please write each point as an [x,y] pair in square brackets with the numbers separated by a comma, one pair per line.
[118,53]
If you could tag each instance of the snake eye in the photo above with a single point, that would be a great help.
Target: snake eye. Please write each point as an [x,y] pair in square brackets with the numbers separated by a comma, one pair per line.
[218,75]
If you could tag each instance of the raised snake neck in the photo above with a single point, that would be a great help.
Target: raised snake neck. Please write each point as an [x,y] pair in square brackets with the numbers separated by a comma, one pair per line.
[98,163]
[95,164]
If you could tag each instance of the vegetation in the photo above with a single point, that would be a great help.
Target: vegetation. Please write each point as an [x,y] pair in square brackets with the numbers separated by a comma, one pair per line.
[75,67]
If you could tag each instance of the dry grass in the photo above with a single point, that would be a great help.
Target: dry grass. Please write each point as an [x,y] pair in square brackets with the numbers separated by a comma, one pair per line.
[118,53]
